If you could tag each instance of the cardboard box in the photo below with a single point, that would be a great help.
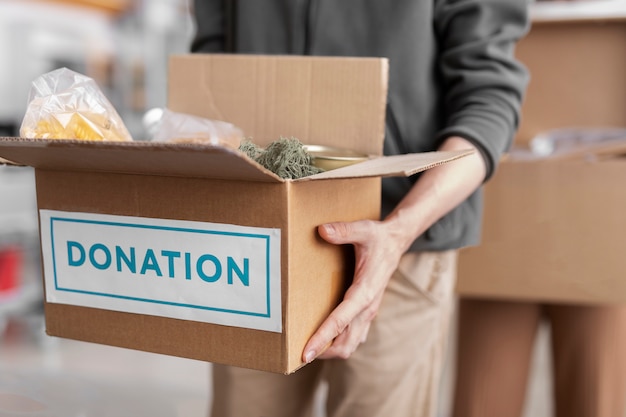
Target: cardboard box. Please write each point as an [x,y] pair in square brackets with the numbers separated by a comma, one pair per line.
[554,228]
[553,232]
[577,63]
[196,251]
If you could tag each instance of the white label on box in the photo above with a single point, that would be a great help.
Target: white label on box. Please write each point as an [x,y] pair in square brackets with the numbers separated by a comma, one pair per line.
[207,272]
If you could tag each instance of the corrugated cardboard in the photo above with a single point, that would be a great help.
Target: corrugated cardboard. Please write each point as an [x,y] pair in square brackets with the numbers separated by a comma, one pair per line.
[553,232]
[328,101]
[554,227]
[314,100]
[577,69]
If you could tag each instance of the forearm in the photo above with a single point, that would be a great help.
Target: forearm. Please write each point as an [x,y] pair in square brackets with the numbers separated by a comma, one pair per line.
[437,191]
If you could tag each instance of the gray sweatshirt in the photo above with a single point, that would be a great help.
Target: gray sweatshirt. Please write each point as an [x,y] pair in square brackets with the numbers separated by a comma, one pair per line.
[452,72]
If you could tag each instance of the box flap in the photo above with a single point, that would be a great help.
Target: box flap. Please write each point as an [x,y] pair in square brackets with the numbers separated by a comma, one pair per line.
[332,101]
[190,160]
[145,158]
[392,166]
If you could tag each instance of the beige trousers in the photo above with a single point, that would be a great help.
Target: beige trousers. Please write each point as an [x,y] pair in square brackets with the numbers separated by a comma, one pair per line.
[495,345]
[396,372]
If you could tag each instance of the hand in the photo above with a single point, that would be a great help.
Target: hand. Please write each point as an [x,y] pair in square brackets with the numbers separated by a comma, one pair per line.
[379,245]
[377,257]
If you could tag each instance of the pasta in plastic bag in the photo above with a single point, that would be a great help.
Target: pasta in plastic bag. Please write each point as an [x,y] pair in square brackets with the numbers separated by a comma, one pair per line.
[63,104]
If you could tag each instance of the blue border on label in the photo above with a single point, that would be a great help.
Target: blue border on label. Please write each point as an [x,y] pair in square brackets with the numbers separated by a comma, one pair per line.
[267,239]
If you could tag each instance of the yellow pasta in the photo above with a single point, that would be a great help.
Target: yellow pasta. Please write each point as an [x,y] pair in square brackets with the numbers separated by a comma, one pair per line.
[79,126]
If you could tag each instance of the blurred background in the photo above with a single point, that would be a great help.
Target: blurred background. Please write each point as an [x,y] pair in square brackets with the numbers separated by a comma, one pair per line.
[124,45]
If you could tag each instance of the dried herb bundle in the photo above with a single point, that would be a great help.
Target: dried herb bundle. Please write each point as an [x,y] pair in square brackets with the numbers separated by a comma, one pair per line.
[286,157]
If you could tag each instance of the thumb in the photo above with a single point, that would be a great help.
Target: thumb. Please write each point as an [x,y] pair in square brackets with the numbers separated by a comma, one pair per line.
[336,233]
[344,232]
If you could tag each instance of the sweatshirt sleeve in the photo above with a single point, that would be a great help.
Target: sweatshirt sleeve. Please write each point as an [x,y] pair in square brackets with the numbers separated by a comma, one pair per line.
[484,83]
[210,18]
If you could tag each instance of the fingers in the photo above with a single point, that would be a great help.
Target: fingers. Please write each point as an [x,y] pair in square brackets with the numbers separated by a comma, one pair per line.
[347,342]
[347,326]
[332,327]
[343,331]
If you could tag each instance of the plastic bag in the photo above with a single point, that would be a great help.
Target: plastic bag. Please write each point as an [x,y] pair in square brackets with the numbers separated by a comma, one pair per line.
[63,104]
[186,128]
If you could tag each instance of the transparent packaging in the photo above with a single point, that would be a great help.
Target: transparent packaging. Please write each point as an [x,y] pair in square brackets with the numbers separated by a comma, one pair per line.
[567,140]
[63,104]
[177,127]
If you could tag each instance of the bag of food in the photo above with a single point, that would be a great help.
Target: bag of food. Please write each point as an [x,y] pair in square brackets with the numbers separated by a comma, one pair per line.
[63,104]
[177,127]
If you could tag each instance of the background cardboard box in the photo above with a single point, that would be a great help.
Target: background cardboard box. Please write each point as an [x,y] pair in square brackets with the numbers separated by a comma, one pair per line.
[554,228]
[553,231]
[577,66]
[326,101]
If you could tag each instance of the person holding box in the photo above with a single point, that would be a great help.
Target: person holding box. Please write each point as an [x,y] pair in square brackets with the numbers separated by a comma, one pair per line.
[454,84]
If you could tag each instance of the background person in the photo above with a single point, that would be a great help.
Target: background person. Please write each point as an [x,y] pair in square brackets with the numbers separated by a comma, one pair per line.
[495,343]
[495,347]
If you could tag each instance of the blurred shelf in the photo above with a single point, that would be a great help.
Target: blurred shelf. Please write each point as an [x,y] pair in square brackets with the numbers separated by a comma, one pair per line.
[583,10]
[106,6]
